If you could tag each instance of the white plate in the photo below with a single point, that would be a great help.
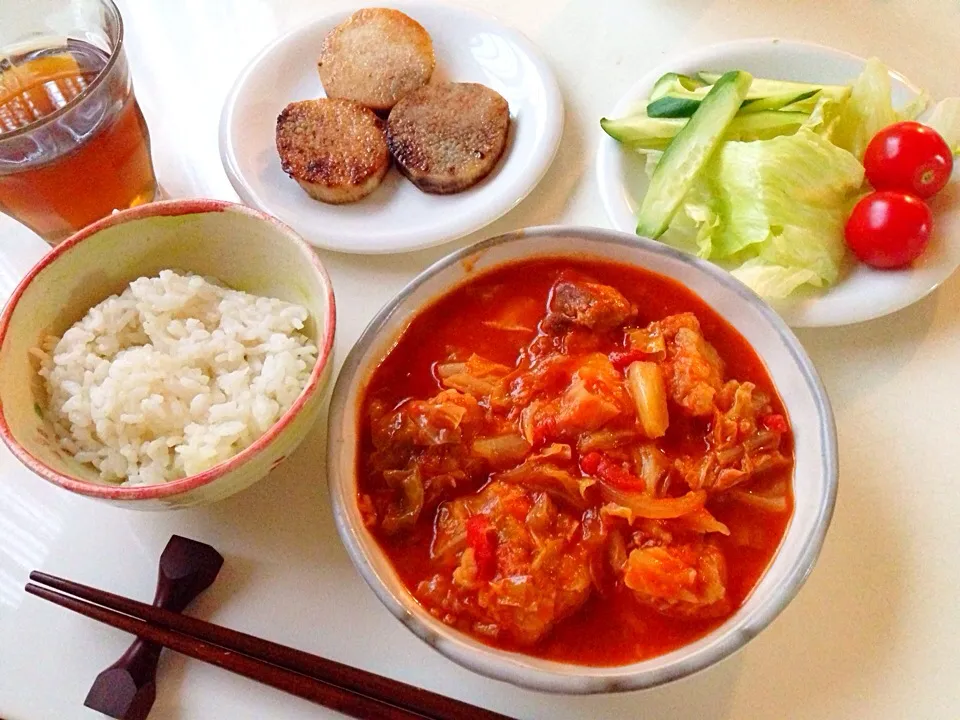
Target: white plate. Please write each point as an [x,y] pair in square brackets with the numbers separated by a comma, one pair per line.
[20,250]
[396,217]
[863,293]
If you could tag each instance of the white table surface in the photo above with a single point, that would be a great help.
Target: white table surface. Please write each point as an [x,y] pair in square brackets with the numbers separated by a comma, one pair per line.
[875,633]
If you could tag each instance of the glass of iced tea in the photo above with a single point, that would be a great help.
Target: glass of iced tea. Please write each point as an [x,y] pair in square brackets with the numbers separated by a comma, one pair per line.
[73,142]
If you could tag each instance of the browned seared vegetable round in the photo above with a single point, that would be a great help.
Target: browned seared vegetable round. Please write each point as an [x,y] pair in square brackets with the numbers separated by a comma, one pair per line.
[448,137]
[335,149]
[375,57]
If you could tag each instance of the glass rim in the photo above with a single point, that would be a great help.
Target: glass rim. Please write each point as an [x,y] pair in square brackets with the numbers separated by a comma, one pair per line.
[88,90]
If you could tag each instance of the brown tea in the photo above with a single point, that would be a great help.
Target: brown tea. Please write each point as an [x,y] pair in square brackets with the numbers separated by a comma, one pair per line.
[73,146]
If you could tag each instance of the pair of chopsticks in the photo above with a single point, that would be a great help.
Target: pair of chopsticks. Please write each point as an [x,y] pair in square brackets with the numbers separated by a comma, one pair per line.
[337,686]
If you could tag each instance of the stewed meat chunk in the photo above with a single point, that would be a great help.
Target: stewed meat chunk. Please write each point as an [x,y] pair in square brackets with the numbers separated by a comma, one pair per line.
[693,369]
[512,564]
[587,304]
[688,580]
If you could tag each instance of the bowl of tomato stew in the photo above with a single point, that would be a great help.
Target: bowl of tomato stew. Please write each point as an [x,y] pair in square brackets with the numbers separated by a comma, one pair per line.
[581,462]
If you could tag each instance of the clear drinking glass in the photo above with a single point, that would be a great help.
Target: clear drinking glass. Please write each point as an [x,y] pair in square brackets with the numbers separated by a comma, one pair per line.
[73,143]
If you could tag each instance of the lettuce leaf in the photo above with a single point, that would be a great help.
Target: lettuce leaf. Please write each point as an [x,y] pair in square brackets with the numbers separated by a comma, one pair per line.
[915,108]
[696,220]
[773,208]
[870,109]
[824,116]
[774,281]
[945,119]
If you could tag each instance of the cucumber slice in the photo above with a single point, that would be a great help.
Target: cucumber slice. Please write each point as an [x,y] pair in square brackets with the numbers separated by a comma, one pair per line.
[762,87]
[674,82]
[684,158]
[796,101]
[640,132]
[764,124]
[671,106]
[678,106]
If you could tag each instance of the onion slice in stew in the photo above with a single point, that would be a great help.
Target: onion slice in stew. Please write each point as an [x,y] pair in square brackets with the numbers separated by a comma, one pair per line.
[501,451]
[542,472]
[645,506]
[560,484]
[760,502]
[702,521]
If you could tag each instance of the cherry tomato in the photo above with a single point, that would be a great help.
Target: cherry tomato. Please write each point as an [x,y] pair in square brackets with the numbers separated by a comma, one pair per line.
[888,229]
[908,157]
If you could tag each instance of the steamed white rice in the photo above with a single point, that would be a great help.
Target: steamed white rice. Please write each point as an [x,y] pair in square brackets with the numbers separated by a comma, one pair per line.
[173,376]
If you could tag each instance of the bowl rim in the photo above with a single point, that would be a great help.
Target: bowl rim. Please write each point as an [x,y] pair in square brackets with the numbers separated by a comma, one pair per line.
[168,208]
[512,667]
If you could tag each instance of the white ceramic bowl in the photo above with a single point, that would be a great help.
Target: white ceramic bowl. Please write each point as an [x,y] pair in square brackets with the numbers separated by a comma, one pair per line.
[814,483]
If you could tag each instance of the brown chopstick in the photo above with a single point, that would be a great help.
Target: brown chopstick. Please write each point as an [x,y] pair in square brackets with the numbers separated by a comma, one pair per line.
[331,696]
[341,687]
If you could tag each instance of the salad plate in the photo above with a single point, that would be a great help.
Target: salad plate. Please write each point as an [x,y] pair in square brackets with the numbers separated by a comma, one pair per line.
[397,217]
[861,293]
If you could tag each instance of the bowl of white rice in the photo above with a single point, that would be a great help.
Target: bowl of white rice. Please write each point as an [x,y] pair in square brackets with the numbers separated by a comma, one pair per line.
[166,356]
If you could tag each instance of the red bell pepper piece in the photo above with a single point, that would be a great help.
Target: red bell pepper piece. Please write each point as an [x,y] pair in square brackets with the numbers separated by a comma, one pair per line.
[482,537]
[775,423]
[612,473]
[621,359]
[543,428]
[590,463]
